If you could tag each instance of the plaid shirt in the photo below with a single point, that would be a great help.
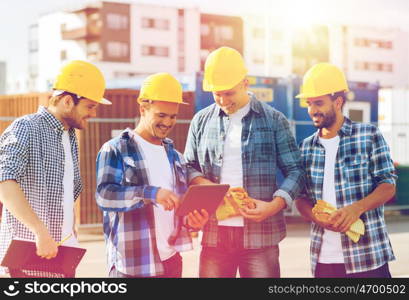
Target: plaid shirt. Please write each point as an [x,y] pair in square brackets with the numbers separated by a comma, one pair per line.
[363,162]
[31,153]
[267,144]
[126,198]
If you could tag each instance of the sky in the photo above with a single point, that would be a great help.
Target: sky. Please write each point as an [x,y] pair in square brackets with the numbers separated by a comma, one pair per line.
[17,15]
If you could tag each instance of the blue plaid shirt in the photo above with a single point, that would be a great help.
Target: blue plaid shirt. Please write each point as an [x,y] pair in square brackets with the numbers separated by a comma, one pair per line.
[267,145]
[363,162]
[126,198]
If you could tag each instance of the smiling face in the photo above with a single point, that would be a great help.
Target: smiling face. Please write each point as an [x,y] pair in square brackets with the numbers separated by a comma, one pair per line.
[323,111]
[232,100]
[80,113]
[157,120]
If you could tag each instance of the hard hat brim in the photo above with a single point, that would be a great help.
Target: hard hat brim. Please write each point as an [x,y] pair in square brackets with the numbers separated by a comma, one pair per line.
[139,100]
[305,96]
[218,88]
[104,101]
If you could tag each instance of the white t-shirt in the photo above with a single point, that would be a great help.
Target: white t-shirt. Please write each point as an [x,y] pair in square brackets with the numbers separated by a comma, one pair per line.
[232,167]
[331,249]
[160,174]
[68,201]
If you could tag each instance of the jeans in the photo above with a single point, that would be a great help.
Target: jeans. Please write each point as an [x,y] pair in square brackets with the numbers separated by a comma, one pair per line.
[338,271]
[230,256]
[172,266]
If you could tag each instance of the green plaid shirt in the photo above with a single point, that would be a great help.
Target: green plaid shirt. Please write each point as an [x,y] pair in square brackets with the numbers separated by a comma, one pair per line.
[267,145]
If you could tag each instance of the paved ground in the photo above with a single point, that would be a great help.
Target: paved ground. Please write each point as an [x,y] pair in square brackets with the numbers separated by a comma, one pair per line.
[294,251]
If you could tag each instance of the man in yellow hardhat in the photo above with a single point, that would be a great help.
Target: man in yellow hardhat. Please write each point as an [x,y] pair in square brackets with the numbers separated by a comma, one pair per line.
[348,165]
[140,177]
[39,171]
[242,142]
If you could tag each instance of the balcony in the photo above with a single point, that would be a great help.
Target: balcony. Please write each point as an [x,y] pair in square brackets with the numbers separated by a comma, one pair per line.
[89,32]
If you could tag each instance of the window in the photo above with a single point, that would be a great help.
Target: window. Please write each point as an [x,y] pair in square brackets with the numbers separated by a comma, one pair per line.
[63,55]
[33,39]
[117,21]
[276,35]
[258,56]
[155,51]
[147,23]
[278,59]
[224,33]
[117,49]
[161,24]
[368,43]
[204,30]
[373,66]
[258,33]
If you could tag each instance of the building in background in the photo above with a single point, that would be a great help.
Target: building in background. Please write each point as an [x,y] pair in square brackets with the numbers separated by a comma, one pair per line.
[123,40]
[217,31]
[394,122]
[267,47]
[310,45]
[129,40]
[371,54]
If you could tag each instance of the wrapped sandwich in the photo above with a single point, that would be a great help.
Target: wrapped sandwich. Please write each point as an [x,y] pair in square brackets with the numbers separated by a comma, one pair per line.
[322,211]
[235,198]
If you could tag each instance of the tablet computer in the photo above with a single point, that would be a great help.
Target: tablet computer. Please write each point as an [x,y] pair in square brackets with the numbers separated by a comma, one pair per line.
[22,255]
[206,196]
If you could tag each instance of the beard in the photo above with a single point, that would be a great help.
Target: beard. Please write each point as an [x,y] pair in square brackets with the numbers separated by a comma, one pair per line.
[73,120]
[328,119]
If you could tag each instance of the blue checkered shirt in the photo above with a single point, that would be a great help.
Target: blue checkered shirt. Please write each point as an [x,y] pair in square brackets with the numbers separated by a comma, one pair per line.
[126,198]
[32,154]
[267,145]
[363,162]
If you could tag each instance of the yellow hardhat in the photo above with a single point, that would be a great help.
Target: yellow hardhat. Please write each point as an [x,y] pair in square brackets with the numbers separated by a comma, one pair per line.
[322,79]
[224,69]
[161,87]
[83,79]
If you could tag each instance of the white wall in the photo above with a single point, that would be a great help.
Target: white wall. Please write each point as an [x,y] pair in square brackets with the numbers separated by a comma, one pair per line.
[51,44]
[394,122]
[192,40]
[153,37]
[397,56]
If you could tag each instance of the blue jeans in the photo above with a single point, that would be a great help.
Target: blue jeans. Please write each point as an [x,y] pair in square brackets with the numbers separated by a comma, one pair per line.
[230,256]
[172,266]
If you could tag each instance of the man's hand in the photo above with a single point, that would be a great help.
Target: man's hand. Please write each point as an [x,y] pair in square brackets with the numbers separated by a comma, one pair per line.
[323,224]
[167,199]
[46,246]
[196,220]
[263,209]
[344,217]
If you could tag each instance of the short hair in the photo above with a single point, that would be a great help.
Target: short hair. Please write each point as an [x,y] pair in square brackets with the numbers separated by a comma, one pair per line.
[145,103]
[55,99]
[341,94]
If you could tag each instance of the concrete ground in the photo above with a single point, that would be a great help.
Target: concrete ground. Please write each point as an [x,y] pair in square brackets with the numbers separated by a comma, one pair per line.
[294,250]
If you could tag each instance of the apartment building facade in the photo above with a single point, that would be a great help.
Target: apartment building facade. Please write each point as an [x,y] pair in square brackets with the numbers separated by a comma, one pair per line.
[127,40]
[123,40]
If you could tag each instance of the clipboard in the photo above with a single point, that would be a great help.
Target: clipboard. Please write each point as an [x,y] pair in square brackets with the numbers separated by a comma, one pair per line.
[22,255]
[204,196]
